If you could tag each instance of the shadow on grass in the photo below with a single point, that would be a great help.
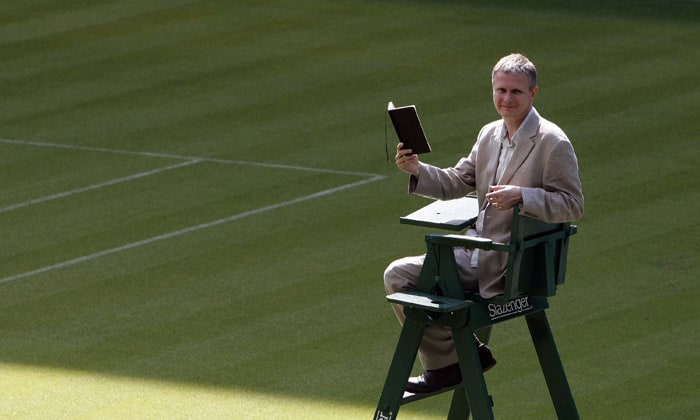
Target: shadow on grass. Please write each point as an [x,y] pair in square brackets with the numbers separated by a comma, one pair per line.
[211,333]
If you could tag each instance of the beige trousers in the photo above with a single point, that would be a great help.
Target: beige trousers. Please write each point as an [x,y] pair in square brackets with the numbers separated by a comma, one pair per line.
[437,349]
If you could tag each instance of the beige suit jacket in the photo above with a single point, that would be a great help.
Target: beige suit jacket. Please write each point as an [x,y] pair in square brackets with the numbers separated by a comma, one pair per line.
[543,164]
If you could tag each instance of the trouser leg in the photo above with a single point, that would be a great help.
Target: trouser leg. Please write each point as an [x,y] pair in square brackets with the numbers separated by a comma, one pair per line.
[437,348]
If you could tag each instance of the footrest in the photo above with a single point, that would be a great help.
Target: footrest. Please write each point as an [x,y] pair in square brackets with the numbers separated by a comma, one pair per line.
[427,301]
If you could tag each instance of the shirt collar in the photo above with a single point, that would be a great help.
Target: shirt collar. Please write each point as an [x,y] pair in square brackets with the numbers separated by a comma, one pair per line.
[504,130]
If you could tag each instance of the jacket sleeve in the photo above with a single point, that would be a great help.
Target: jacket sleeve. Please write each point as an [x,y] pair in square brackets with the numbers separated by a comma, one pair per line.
[560,199]
[448,183]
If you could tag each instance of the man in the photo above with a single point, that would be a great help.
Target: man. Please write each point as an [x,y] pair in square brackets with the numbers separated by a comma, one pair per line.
[520,160]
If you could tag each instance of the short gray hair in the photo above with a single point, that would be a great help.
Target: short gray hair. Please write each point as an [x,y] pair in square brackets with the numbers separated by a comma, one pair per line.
[516,64]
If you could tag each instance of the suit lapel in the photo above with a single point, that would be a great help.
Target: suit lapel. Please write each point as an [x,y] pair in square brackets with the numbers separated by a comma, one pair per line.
[492,158]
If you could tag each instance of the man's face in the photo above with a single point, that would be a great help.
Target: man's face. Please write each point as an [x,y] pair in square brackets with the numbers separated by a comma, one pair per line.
[512,95]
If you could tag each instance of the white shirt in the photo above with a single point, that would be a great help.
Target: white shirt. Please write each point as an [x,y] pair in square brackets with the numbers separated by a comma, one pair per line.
[507,148]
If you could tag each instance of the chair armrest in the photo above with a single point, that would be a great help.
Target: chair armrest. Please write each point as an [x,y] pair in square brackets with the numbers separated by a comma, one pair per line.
[427,301]
[467,242]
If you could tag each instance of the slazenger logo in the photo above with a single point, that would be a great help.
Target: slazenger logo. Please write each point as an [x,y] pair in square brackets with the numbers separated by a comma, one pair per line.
[382,416]
[514,306]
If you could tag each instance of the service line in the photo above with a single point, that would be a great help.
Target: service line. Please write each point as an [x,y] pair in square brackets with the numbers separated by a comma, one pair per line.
[187,230]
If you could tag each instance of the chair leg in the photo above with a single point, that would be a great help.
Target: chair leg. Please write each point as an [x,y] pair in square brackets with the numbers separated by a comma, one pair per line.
[399,371]
[472,375]
[459,408]
[484,334]
[551,365]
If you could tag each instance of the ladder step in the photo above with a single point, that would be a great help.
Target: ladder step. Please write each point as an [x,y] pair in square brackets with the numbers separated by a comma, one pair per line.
[409,397]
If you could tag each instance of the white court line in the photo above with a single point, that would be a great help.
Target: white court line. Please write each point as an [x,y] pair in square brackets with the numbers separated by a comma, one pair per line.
[180,157]
[188,230]
[189,160]
[95,186]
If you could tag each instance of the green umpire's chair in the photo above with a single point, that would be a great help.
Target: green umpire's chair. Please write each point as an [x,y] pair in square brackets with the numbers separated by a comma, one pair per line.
[537,254]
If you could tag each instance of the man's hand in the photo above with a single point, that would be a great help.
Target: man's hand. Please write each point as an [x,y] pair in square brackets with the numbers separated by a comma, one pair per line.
[407,161]
[504,197]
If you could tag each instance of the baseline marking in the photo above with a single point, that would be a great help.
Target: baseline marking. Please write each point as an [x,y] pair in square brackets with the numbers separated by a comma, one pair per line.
[188,230]
[181,157]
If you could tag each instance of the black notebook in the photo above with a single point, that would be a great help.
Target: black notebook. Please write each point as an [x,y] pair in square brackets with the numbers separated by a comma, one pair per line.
[408,128]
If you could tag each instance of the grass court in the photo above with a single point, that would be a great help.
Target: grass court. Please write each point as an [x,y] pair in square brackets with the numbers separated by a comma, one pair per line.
[196,208]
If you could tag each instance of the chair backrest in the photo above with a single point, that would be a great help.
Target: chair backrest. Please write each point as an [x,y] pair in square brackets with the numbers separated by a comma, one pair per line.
[537,260]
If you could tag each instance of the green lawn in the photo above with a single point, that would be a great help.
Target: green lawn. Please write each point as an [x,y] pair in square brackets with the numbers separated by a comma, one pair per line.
[197,211]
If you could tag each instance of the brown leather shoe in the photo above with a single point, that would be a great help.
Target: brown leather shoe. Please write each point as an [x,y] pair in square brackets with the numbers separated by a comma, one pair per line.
[435,380]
